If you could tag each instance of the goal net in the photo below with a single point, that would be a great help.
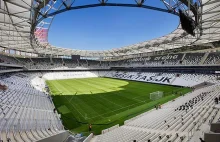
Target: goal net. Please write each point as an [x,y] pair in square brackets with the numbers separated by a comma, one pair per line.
[156,95]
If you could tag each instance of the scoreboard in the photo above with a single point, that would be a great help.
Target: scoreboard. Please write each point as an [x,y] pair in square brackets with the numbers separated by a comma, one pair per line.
[75,57]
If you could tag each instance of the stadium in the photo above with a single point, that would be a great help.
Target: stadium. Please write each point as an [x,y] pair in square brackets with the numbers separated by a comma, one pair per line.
[162,90]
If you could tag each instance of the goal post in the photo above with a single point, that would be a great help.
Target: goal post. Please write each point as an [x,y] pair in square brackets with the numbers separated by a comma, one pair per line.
[156,95]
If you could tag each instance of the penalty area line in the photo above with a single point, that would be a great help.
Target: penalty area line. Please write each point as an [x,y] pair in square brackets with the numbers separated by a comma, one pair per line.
[72,97]
[75,108]
[73,105]
[116,110]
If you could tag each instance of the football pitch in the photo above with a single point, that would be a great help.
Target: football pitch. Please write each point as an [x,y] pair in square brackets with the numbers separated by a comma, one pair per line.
[104,102]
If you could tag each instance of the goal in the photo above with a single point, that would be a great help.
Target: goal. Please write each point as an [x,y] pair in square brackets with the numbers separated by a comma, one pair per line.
[156,95]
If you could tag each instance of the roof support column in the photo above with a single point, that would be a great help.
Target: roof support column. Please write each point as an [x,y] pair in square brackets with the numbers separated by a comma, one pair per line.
[103,2]
[140,2]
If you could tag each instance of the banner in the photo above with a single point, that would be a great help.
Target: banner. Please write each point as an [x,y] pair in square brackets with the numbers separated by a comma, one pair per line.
[41,34]
[145,78]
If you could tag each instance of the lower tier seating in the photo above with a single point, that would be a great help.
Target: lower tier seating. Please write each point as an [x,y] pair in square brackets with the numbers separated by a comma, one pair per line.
[26,114]
[188,80]
[170,123]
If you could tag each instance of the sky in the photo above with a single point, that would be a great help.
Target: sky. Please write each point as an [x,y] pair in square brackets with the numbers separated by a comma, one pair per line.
[104,28]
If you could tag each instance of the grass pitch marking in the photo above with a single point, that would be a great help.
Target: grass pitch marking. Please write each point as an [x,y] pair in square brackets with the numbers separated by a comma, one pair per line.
[110,101]
[72,105]
[75,108]
[138,101]
[116,110]
[72,97]
[100,115]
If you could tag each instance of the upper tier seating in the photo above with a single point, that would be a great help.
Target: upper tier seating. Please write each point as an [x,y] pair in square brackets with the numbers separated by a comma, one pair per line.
[70,63]
[180,59]
[27,62]
[42,63]
[57,63]
[171,59]
[213,58]
[159,60]
[167,60]
[193,58]
[8,60]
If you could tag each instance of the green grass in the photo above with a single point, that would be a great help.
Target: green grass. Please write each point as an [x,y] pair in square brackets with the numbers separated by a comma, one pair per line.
[104,102]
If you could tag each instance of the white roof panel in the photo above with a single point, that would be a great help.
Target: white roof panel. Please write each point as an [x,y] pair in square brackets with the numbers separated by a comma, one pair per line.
[17,16]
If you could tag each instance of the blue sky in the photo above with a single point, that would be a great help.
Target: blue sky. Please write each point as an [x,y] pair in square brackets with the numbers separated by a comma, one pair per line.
[109,27]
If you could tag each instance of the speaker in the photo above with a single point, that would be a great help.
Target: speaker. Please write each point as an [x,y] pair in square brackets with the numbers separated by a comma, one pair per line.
[187,23]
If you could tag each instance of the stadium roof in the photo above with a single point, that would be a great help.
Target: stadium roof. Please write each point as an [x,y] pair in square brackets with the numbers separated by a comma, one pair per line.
[20,20]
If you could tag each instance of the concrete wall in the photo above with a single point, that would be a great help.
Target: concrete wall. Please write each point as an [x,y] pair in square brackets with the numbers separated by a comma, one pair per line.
[215,127]
[212,137]
[56,138]
[88,139]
